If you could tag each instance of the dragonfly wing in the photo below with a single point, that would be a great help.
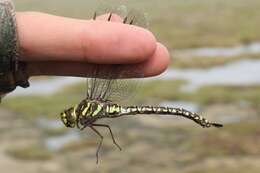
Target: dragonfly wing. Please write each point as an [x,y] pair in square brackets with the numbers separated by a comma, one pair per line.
[106,82]
[109,82]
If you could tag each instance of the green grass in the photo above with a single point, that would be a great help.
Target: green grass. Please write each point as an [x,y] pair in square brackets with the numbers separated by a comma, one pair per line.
[178,23]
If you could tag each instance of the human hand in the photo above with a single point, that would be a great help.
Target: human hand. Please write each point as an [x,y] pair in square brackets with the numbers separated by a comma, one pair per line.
[53,45]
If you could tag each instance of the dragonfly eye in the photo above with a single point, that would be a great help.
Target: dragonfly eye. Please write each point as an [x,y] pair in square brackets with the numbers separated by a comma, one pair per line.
[67,121]
[63,117]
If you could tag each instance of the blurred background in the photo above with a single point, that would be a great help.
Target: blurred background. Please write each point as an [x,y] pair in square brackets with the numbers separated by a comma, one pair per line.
[215,70]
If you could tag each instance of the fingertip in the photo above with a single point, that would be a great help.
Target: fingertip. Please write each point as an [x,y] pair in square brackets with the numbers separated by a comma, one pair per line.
[166,58]
[159,62]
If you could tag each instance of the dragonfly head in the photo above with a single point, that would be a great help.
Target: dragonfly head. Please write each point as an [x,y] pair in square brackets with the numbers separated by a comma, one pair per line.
[68,118]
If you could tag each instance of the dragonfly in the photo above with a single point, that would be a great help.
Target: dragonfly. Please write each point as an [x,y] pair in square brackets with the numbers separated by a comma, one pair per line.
[102,90]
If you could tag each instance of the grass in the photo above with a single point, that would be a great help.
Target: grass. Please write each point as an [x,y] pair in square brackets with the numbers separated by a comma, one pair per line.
[34,106]
[206,95]
[177,23]
[238,169]
[31,152]
[156,91]
[228,94]
[55,132]
[197,146]
[78,145]
[207,62]
[238,139]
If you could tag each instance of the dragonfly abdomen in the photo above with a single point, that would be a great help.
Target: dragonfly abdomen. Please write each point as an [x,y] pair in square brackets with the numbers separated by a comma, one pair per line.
[159,110]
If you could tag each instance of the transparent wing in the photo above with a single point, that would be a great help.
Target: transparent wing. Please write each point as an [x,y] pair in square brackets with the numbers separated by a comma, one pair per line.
[107,81]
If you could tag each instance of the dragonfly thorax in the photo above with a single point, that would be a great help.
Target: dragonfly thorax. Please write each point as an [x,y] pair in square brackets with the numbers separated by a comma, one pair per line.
[90,108]
[84,113]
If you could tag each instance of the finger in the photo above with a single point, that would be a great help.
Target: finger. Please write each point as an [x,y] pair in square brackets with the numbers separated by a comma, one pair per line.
[153,66]
[45,37]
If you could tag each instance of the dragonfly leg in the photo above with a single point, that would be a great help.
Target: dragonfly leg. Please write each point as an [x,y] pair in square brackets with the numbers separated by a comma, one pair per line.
[100,143]
[109,17]
[79,125]
[125,19]
[83,127]
[132,21]
[95,16]
[111,133]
